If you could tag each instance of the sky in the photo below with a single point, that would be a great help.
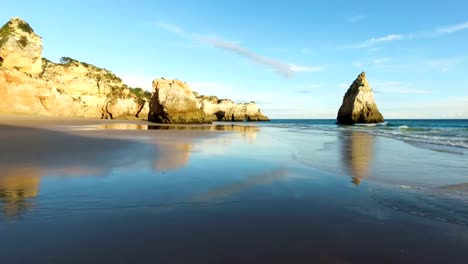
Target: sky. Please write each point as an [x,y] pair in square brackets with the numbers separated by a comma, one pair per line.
[296,59]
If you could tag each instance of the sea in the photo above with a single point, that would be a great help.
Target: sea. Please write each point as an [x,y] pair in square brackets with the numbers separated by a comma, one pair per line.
[449,133]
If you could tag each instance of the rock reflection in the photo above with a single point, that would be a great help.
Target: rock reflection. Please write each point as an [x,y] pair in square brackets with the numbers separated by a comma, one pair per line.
[31,153]
[17,187]
[358,151]
[172,156]
[228,190]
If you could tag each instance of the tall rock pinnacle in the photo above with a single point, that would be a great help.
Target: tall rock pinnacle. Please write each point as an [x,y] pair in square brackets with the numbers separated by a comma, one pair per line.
[359,104]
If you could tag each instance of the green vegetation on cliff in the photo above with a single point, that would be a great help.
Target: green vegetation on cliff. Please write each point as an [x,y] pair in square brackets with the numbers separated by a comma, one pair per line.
[24,26]
[5,32]
[140,93]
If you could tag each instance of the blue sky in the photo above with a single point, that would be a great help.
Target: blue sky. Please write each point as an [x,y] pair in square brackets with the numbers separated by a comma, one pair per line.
[295,58]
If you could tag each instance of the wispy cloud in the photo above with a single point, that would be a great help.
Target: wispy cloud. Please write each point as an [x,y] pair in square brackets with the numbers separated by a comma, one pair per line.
[172,28]
[282,68]
[297,68]
[438,32]
[279,67]
[357,18]
[373,41]
[451,29]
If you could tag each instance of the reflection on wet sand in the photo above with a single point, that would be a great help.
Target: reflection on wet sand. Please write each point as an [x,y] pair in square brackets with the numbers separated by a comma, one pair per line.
[248,133]
[228,190]
[31,153]
[16,189]
[172,156]
[358,151]
[59,153]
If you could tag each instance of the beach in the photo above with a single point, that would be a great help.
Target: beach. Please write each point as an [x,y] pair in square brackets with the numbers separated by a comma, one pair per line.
[97,191]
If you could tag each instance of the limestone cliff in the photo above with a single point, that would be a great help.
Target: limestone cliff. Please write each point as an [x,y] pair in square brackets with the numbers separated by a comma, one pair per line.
[174,102]
[30,84]
[227,110]
[359,104]
[20,47]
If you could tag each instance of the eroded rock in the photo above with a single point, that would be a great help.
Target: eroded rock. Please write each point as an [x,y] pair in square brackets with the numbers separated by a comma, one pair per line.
[174,102]
[359,104]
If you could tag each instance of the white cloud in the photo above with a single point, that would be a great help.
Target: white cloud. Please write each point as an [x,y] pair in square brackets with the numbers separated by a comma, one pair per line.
[440,31]
[451,29]
[373,41]
[284,69]
[172,28]
[297,68]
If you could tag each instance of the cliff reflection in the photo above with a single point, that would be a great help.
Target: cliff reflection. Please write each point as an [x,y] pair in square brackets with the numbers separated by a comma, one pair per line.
[172,156]
[31,153]
[357,152]
[17,187]
[230,189]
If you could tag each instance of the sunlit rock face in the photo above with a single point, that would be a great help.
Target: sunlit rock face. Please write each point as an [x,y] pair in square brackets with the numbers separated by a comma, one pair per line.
[20,47]
[227,110]
[359,104]
[30,84]
[173,102]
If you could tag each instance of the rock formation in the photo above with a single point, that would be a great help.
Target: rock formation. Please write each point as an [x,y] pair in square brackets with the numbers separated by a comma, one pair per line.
[358,104]
[20,47]
[227,110]
[30,84]
[173,102]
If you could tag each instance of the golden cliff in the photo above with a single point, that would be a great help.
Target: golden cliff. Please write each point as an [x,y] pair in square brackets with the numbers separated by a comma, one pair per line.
[30,84]
[174,101]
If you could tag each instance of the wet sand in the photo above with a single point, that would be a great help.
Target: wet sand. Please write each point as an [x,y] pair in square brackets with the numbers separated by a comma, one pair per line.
[105,191]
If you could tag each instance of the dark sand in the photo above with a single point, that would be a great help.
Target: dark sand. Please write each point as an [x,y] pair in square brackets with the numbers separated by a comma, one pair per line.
[97,191]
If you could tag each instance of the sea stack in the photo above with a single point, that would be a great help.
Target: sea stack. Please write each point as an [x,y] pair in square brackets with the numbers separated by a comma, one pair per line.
[359,104]
[173,102]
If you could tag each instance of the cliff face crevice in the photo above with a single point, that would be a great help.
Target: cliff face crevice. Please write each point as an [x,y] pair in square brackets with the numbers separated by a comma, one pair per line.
[359,104]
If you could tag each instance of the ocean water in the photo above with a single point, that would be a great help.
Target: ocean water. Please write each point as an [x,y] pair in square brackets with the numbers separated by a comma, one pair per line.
[439,133]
